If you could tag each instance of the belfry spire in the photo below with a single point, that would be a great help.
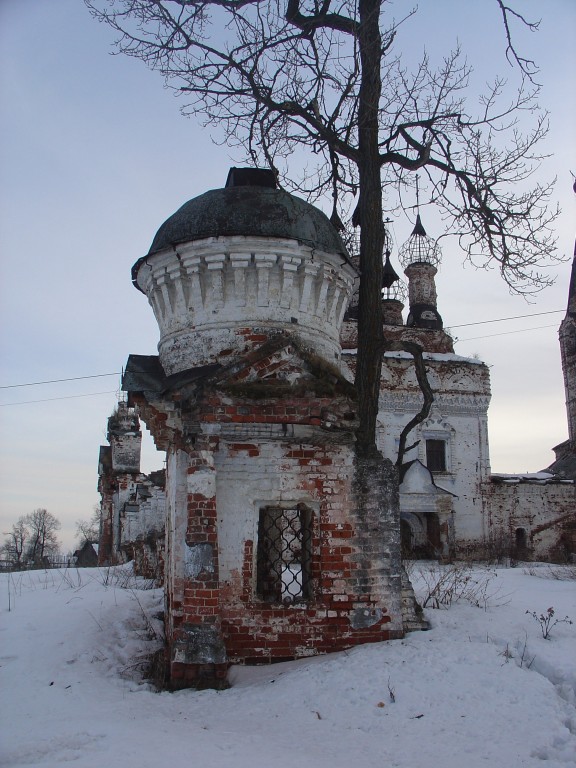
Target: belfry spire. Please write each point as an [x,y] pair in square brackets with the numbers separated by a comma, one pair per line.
[420,256]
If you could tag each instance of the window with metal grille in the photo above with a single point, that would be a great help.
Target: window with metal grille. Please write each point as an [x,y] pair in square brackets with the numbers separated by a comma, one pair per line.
[436,455]
[284,554]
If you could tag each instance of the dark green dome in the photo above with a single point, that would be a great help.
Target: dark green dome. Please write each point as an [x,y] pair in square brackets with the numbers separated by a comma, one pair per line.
[251,211]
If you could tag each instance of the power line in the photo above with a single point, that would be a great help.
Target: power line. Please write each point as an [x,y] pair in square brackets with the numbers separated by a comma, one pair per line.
[50,399]
[57,381]
[506,333]
[502,319]
[109,392]
[118,373]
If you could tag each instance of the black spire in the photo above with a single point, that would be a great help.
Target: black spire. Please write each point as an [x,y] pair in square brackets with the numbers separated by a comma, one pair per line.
[389,276]
[419,227]
[571,309]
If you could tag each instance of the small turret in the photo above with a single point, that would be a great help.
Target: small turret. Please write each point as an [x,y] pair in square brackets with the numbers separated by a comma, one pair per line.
[420,256]
[125,439]
[242,263]
[393,294]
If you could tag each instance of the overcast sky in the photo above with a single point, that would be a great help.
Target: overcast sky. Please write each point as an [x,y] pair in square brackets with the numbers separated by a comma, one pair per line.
[94,156]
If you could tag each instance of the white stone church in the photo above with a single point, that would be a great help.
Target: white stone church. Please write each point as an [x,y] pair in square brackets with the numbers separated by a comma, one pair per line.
[450,503]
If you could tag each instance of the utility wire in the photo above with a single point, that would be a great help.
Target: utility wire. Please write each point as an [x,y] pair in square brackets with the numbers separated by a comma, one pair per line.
[50,399]
[109,392]
[502,319]
[118,373]
[506,333]
[57,381]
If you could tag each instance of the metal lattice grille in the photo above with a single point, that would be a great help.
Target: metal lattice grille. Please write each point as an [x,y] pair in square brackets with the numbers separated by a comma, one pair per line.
[283,556]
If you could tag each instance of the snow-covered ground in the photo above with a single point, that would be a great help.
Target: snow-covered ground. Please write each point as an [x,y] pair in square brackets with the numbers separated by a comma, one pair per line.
[481,688]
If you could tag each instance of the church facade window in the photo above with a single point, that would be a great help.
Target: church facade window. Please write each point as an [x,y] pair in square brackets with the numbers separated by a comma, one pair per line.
[437,454]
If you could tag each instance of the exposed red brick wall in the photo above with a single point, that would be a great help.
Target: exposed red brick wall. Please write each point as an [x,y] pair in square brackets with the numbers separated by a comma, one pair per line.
[255,631]
[313,411]
[201,602]
[222,615]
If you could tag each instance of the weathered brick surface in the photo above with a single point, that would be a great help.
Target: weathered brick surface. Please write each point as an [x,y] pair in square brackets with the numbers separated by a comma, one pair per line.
[351,563]
[237,456]
[132,504]
[271,425]
[459,417]
[219,297]
[148,556]
[547,514]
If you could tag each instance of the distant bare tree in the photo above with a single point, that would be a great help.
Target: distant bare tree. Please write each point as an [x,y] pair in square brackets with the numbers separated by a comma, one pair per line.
[15,543]
[89,530]
[324,79]
[42,540]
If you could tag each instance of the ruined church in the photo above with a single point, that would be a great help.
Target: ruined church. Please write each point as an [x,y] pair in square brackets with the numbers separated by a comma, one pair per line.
[254,523]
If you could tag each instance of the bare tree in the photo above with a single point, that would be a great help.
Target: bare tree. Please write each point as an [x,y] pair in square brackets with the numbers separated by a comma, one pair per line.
[42,540]
[89,530]
[15,543]
[326,77]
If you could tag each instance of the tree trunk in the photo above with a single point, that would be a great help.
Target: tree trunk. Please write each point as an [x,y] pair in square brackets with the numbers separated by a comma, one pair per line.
[369,360]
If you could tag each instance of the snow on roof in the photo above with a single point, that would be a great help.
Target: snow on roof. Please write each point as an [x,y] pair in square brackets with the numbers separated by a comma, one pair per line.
[537,478]
[439,356]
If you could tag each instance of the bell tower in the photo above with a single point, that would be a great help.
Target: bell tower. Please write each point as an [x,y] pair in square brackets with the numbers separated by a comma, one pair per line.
[420,256]
[567,336]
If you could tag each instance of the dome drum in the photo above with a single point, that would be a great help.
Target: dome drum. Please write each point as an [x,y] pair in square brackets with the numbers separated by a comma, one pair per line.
[421,284]
[206,293]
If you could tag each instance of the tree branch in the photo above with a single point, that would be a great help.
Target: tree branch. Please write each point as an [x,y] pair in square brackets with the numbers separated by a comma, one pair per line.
[422,377]
[322,20]
[527,66]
